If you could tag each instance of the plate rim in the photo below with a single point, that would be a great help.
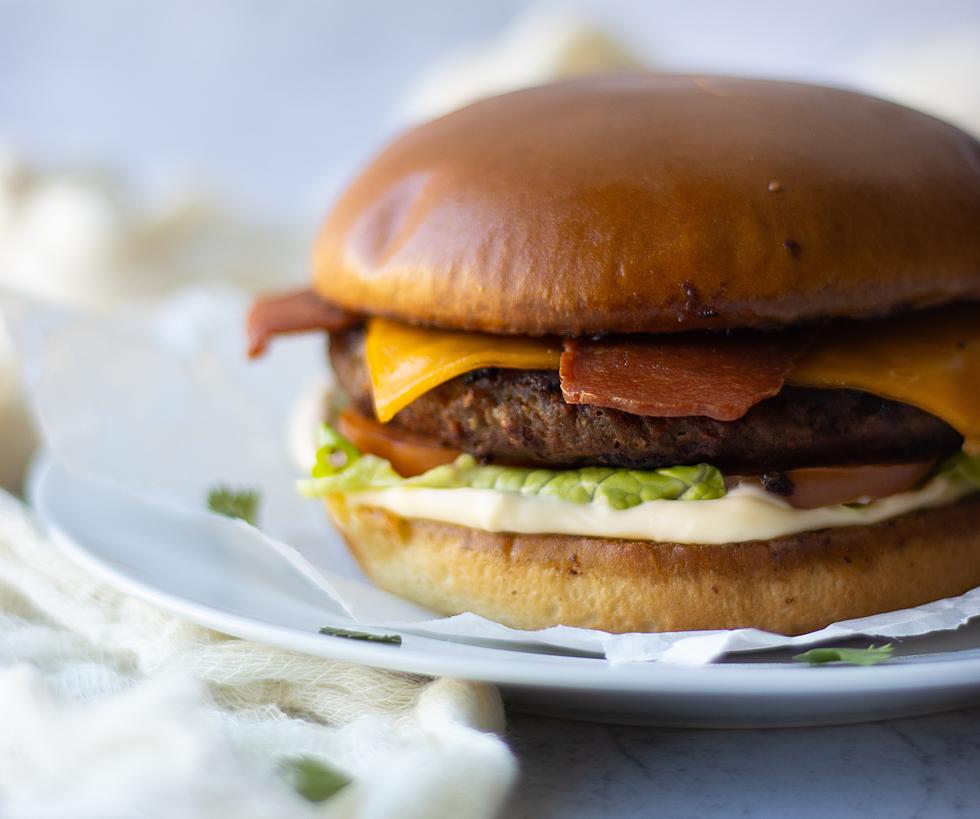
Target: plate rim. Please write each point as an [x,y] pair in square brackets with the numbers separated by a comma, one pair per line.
[431,656]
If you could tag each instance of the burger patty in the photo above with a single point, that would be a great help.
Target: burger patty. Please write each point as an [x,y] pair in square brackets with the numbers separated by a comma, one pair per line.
[520,415]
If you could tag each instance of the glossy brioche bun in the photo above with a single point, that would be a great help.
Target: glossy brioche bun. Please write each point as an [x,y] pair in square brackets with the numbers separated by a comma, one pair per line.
[655,204]
[791,585]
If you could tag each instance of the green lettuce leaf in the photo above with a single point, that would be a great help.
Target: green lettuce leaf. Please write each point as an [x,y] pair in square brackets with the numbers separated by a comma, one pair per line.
[964,467]
[341,467]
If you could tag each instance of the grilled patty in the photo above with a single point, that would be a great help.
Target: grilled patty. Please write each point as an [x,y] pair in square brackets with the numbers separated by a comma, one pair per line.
[520,415]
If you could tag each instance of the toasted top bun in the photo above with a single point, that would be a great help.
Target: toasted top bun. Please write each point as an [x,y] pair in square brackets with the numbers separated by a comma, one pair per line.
[659,203]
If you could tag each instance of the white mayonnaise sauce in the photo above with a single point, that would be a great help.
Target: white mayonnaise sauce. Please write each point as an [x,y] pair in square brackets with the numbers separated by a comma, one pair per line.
[745,513]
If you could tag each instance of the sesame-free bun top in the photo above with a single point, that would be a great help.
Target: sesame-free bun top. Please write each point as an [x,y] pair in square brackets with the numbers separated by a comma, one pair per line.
[653,203]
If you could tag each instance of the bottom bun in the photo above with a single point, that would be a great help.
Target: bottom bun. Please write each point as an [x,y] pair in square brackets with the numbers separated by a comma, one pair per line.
[791,585]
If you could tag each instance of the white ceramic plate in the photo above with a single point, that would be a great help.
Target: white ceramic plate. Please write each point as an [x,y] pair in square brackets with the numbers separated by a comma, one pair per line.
[184,563]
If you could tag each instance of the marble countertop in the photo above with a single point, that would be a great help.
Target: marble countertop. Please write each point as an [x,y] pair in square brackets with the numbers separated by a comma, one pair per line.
[921,767]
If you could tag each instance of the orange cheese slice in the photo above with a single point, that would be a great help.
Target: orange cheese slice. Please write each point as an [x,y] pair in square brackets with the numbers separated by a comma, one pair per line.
[406,361]
[930,360]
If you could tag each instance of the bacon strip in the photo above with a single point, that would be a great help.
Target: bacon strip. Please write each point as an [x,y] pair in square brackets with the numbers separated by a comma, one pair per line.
[295,312]
[720,377]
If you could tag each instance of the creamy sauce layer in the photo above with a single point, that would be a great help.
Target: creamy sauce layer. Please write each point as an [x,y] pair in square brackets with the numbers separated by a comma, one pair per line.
[745,513]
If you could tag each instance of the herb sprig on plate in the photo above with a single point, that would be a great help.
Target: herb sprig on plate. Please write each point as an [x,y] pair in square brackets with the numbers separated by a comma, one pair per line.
[872,655]
[235,503]
[392,639]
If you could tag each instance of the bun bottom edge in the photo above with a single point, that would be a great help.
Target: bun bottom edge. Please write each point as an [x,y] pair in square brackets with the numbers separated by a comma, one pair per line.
[790,585]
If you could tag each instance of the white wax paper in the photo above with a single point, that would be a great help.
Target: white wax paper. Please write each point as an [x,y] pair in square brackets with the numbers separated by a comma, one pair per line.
[163,403]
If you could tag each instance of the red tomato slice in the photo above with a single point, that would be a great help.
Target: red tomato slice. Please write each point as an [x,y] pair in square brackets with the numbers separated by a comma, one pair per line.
[409,454]
[811,487]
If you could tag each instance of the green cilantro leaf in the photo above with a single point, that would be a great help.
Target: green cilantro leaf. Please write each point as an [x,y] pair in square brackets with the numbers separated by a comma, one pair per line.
[235,503]
[853,656]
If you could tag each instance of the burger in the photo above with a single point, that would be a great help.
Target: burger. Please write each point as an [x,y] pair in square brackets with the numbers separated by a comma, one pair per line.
[656,353]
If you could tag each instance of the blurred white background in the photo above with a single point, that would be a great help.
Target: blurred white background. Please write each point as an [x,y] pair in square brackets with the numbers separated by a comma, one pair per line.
[272,103]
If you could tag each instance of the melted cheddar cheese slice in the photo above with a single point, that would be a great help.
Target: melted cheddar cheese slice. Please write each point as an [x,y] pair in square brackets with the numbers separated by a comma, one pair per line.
[406,361]
[930,360]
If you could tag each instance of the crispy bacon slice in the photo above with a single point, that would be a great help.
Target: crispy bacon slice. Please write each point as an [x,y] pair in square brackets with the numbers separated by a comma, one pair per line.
[295,312]
[720,377]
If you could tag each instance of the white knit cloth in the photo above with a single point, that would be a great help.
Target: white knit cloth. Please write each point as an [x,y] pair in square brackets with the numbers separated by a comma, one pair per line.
[110,707]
